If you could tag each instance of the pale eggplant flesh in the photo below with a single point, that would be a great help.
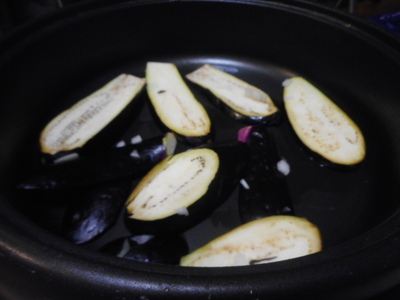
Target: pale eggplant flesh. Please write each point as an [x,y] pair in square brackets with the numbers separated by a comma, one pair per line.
[165,249]
[75,127]
[263,190]
[321,125]
[237,98]
[265,240]
[185,188]
[94,211]
[106,165]
[175,105]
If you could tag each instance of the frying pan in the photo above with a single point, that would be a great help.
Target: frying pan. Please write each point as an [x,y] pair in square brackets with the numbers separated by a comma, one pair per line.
[50,63]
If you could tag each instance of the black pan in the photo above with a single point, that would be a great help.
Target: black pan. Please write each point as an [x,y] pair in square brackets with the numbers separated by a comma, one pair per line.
[49,64]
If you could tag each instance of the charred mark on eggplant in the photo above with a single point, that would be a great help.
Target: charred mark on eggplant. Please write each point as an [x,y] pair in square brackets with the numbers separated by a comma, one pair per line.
[262,260]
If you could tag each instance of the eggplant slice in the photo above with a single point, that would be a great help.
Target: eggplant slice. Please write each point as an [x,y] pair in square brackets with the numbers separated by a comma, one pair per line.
[174,185]
[185,188]
[261,241]
[94,211]
[263,191]
[74,127]
[175,105]
[131,160]
[237,98]
[321,125]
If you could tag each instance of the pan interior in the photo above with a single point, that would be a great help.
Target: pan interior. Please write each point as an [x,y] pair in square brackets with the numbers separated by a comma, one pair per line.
[68,62]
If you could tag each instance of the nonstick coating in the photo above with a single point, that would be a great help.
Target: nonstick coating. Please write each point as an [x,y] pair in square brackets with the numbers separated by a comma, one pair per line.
[48,65]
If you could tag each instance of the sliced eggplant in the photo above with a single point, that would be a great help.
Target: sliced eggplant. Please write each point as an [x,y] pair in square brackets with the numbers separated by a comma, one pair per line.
[263,191]
[185,188]
[237,98]
[175,105]
[94,211]
[74,127]
[107,165]
[261,241]
[321,125]
[166,249]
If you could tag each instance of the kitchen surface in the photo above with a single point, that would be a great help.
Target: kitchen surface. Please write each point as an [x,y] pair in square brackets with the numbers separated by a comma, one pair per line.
[14,13]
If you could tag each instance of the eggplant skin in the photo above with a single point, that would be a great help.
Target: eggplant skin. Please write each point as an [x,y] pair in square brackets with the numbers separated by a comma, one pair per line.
[95,211]
[321,125]
[103,166]
[175,105]
[238,99]
[265,240]
[194,201]
[99,115]
[263,191]
[166,249]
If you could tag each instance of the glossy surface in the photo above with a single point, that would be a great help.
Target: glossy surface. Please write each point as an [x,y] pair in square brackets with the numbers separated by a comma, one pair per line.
[94,210]
[263,190]
[103,165]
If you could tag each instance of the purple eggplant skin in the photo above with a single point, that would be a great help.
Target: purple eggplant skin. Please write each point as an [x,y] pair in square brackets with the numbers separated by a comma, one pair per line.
[107,165]
[166,249]
[233,157]
[263,191]
[195,141]
[95,211]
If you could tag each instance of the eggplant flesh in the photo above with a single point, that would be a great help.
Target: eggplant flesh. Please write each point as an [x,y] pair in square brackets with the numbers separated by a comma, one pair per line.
[263,191]
[240,100]
[94,211]
[74,127]
[103,166]
[166,249]
[185,188]
[265,240]
[175,105]
[173,185]
[321,125]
